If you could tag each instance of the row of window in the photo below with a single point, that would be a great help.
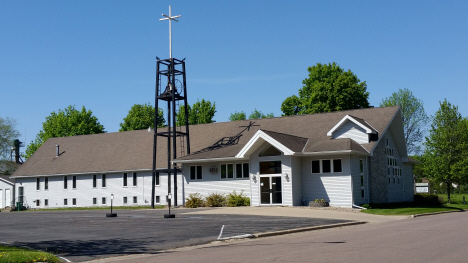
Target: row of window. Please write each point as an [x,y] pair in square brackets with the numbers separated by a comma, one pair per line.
[95,201]
[103,181]
[326,166]
[228,171]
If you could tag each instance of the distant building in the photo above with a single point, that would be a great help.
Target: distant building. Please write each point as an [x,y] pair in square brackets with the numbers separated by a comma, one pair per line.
[346,158]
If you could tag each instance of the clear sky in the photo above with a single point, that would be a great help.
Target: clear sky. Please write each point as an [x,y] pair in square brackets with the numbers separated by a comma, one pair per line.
[240,54]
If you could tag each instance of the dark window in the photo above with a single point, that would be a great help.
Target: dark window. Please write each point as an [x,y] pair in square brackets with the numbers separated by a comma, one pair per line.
[361,166]
[270,151]
[316,167]
[94,181]
[65,201]
[46,202]
[326,166]
[158,200]
[134,179]
[65,182]
[46,183]
[223,171]
[74,182]
[199,172]
[103,200]
[230,170]
[157,178]
[362,193]
[38,202]
[337,166]
[74,201]
[38,184]
[94,201]
[103,179]
[193,170]
[270,167]
[125,200]
[125,179]
[245,168]
[362,180]
[135,200]
[238,170]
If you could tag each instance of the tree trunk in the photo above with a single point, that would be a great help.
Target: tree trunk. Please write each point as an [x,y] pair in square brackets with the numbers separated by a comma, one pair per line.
[448,191]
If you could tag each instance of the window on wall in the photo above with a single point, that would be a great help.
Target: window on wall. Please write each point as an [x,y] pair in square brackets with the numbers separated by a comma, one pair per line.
[270,167]
[94,201]
[327,166]
[38,202]
[125,200]
[46,183]
[65,202]
[242,170]
[74,182]
[393,165]
[94,181]
[103,180]
[158,199]
[361,169]
[196,172]
[74,201]
[103,200]
[38,184]
[270,150]
[157,178]
[46,202]
[65,182]
[135,200]
[227,171]
[124,179]
[135,179]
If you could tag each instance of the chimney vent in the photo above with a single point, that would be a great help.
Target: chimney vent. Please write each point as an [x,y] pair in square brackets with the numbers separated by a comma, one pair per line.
[57,150]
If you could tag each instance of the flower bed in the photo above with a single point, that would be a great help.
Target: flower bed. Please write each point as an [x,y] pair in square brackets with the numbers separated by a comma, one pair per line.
[319,203]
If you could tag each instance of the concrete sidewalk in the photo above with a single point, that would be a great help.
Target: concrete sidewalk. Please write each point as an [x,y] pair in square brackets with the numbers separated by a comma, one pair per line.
[300,212]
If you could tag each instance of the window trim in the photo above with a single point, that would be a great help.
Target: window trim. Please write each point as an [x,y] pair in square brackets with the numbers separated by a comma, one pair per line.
[74,183]
[38,184]
[195,177]
[125,200]
[46,183]
[94,181]
[157,179]
[332,168]
[94,200]
[274,160]
[74,202]
[104,201]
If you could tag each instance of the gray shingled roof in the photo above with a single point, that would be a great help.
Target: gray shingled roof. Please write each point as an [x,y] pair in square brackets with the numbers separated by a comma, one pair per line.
[132,150]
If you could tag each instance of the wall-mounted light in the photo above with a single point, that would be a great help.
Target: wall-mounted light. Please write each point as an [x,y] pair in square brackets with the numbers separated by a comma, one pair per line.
[253,177]
[286,176]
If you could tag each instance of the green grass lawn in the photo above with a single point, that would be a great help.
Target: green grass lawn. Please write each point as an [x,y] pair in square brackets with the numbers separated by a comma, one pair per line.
[11,254]
[456,204]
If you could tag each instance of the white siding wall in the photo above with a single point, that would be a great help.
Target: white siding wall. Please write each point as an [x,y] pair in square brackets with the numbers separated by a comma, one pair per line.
[332,187]
[84,192]
[212,183]
[395,189]
[353,131]
[5,188]
[356,179]
[296,180]
[255,169]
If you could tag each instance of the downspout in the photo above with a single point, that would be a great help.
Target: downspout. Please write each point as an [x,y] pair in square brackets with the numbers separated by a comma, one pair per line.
[367,181]
[351,177]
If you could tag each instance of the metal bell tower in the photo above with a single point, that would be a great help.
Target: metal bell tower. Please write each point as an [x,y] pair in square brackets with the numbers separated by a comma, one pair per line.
[170,89]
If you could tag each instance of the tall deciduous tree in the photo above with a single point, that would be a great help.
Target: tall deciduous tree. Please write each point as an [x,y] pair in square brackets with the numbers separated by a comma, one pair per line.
[201,112]
[237,116]
[8,134]
[328,88]
[414,117]
[141,117]
[446,153]
[259,115]
[67,122]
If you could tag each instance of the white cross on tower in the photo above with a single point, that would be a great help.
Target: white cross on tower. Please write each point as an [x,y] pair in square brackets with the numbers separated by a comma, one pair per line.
[170,18]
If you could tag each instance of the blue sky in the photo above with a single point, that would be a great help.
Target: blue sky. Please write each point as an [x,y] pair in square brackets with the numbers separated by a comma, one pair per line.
[240,54]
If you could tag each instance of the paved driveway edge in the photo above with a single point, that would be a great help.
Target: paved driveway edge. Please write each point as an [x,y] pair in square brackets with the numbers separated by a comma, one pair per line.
[303,229]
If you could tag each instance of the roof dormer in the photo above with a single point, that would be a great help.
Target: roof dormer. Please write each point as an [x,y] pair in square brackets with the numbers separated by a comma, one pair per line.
[354,128]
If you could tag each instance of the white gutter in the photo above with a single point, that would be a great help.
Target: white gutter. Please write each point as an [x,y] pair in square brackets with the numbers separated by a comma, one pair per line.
[209,160]
[331,153]
[98,172]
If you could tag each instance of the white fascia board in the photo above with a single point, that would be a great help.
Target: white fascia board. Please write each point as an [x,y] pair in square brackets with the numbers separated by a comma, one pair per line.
[260,134]
[210,160]
[7,182]
[98,172]
[332,153]
[345,118]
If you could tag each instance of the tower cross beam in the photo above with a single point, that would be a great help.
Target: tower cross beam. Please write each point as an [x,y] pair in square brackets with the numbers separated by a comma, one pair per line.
[170,18]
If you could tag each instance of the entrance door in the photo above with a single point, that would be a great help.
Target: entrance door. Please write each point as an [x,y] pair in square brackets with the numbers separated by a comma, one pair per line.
[7,197]
[270,190]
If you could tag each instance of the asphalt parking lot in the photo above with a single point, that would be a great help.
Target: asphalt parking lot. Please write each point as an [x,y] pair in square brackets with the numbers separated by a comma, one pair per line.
[86,235]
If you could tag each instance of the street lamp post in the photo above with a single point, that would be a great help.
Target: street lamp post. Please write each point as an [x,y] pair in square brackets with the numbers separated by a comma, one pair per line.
[111,214]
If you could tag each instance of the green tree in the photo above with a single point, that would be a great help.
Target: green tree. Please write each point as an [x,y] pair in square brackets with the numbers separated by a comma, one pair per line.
[237,116]
[259,115]
[200,112]
[67,122]
[328,88]
[8,134]
[141,117]
[414,117]
[446,153]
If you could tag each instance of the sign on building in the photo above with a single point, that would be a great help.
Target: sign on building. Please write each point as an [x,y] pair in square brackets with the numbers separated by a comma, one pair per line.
[421,188]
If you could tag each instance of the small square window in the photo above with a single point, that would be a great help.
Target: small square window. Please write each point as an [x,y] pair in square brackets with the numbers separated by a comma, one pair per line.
[315,166]
[326,166]
[74,201]
[337,166]
[135,200]
[65,202]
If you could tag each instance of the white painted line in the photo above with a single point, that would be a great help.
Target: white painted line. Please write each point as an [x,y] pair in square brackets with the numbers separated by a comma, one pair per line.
[237,237]
[221,233]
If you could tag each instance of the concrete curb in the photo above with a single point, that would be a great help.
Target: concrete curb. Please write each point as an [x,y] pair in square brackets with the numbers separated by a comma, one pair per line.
[437,213]
[303,229]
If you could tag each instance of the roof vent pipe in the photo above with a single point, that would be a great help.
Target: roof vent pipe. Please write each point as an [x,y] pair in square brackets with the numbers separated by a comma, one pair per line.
[57,150]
